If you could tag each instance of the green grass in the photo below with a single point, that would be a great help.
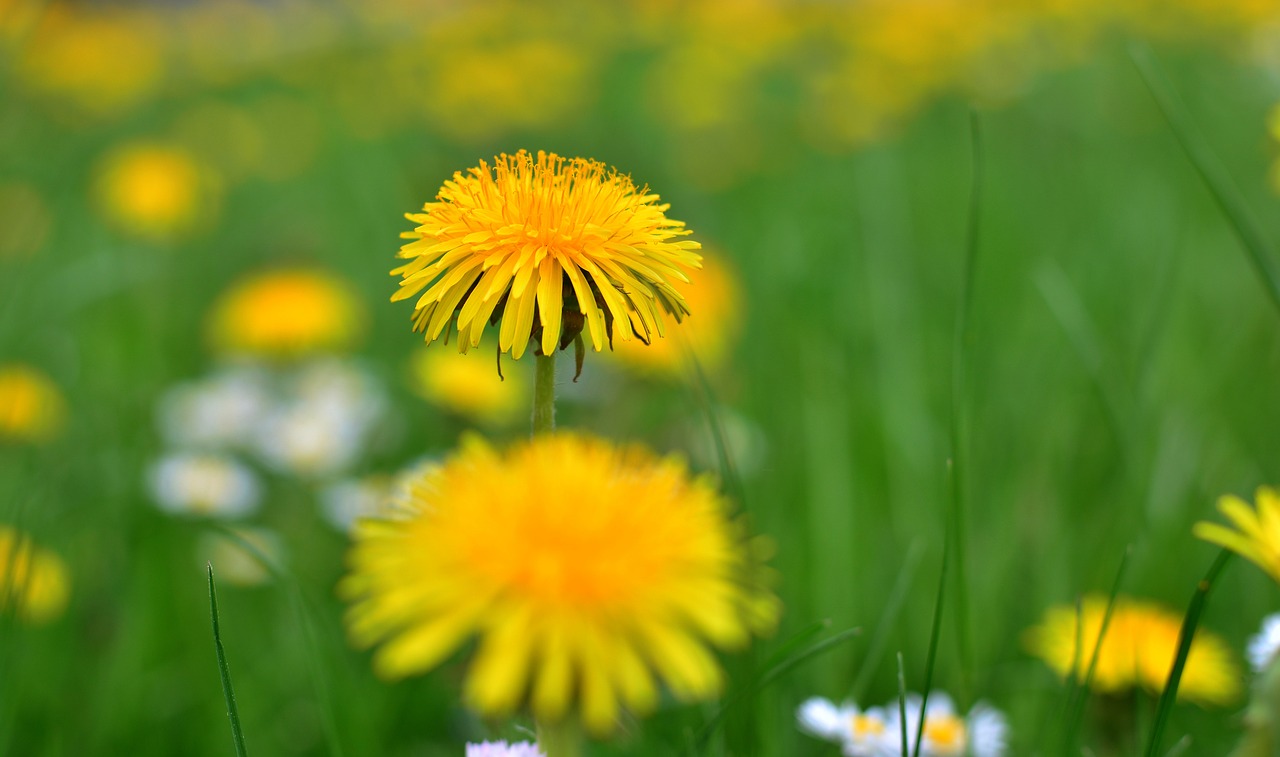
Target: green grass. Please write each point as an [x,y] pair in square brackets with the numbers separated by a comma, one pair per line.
[1087,345]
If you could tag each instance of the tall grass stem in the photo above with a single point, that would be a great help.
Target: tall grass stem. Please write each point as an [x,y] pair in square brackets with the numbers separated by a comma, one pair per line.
[237,733]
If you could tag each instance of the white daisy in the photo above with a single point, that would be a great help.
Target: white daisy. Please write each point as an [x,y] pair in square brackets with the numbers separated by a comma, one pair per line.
[503,749]
[860,733]
[983,733]
[218,412]
[1264,645]
[206,484]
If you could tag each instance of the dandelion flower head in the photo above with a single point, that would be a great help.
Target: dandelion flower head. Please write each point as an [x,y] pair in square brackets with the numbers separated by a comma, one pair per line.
[33,581]
[1138,650]
[31,407]
[590,573]
[1256,536]
[153,191]
[549,246]
[286,313]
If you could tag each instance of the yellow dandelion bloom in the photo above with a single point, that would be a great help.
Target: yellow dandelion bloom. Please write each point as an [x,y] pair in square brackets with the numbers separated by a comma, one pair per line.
[1138,650]
[31,407]
[543,244]
[589,572]
[154,191]
[286,313]
[33,581]
[1256,536]
[469,385]
[708,333]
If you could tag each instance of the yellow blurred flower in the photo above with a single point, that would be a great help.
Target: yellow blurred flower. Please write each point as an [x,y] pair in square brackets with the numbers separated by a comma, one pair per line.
[469,385]
[1256,536]
[154,191]
[587,570]
[31,407]
[286,313]
[1138,650]
[708,333]
[24,221]
[568,239]
[103,62]
[33,581]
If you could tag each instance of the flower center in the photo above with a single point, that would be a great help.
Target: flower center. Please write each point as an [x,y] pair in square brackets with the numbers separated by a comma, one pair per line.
[866,725]
[947,734]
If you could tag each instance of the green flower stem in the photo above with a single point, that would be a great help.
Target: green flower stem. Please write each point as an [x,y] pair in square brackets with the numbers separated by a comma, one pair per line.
[544,394]
[561,739]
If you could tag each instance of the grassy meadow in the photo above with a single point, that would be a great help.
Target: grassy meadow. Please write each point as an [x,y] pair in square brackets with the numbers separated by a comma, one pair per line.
[1087,340]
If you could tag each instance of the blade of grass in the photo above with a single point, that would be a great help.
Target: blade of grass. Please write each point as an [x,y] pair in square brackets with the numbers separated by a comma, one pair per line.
[888,619]
[902,705]
[959,429]
[771,675]
[305,612]
[1189,624]
[706,397]
[237,734]
[1212,173]
[934,634]
[1080,690]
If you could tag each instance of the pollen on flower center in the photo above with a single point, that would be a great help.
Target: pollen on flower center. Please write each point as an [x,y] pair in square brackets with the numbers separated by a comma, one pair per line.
[945,731]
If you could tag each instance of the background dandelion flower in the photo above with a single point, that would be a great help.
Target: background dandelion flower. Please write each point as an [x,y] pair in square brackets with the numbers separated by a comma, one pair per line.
[1138,650]
[587,570]
[33,581]
[469,386]
[31,407]
[1256,536]
[154,191]
[286,313]
[567,240]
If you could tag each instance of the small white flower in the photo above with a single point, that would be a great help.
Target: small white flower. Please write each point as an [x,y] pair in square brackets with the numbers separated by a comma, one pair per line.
[218,412]
[860,733]
[503,749]
[1264,645]
[204,484]
[983,733]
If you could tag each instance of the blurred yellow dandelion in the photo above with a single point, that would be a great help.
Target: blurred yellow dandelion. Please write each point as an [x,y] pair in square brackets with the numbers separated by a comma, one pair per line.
[707,334]
[588,571]
[1256,536]
[1138,650]
[31,407]
[153,191]
[468,385]
[103,63]
[286,313]
[33,581]
[543,244]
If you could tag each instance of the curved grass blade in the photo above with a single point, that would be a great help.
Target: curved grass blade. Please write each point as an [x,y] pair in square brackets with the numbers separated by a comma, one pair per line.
[1189,624]
[893,608]
[1080,690]
[1215,176]
[771,675]
[237,733]
[934,634]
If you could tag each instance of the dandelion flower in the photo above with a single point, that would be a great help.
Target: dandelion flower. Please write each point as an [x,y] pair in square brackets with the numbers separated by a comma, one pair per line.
[1264,645]
[589,572]
[468,385]
[204,484]
[503,749]
[862,733]
[544,244]
[31,407]
[715,302]
[1138,650]
[33,581]
[153,191]
[286,313]
[1256,536]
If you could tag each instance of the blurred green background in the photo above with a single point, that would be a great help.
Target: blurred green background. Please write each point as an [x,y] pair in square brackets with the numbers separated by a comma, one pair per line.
[1121,373]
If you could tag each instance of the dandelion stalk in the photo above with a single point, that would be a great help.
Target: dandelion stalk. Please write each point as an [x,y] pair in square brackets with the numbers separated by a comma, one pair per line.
[544,394]
[237,734]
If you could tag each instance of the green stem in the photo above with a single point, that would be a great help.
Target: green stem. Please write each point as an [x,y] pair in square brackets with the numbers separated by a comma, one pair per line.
[561,739]
[544,394]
